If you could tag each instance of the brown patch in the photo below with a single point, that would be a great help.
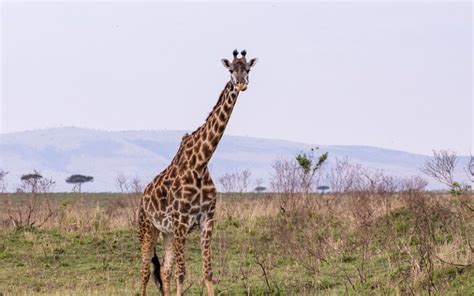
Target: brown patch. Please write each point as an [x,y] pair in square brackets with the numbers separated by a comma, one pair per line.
[213,121]
[191,190]
[185,206]
[173,173]
[206,150]
[188,152]
[222,116]
[185,219]
[189,144]
[204,207]
[176,183]
[196,148]
[215,141]
[200,157]
[221,128]
[192,161]
[163,203]
[154,200]
[176,205]
[166,185]
[198,182]
[211,136]
[188,178]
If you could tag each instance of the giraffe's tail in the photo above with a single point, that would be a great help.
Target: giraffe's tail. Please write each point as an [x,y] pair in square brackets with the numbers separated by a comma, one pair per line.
[157,272]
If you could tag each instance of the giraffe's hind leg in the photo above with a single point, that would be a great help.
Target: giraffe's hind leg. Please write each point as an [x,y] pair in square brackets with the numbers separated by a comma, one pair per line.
[168,261]
[148,235]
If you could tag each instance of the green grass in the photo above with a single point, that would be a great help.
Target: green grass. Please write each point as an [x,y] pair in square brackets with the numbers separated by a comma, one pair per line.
[106,260]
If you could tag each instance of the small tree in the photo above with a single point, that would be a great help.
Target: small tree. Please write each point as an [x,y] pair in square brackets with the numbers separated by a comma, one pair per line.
[259,189]
[35,210]
[243,179]
[295,177]
[310,166]
[31,182]
[441,167]
[470,170]
[78,180]
[235,182]
[3,182]
[322,188]
[132,188]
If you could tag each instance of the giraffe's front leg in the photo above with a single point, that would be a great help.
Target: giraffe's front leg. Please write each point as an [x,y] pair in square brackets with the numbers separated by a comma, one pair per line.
[148,237]
[206,234]
[180,271]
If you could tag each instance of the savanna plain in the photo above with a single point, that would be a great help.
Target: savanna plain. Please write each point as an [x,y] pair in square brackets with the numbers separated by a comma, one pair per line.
[370,242]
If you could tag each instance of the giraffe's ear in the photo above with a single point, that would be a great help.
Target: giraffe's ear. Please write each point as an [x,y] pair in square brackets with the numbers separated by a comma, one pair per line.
[252,62]
[226,64]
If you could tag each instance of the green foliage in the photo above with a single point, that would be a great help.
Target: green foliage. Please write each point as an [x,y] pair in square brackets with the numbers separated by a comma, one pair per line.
[306,160]
[456,189]
[79,179]
[31,177]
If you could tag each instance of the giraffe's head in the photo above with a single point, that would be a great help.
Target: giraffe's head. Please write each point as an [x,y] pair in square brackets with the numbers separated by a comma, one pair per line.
[239,69]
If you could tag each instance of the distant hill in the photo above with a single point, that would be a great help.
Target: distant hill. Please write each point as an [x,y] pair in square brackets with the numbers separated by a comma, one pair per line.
[60,152]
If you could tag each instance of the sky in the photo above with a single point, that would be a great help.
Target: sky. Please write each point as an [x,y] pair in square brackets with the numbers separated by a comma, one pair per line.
[393,75]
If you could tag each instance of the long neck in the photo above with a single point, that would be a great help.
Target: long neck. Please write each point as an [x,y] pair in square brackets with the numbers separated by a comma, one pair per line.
[206,138]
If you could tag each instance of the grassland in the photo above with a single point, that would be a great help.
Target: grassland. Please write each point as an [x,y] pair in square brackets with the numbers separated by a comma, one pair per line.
[412,243]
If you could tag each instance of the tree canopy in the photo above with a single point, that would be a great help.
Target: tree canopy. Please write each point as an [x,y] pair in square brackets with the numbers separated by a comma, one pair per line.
[78,180]
[32,176]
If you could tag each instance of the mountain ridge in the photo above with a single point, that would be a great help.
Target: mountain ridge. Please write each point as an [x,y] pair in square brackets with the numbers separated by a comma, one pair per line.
[63,151]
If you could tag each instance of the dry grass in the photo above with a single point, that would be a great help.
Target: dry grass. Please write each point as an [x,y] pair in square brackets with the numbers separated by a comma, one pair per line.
[358,243]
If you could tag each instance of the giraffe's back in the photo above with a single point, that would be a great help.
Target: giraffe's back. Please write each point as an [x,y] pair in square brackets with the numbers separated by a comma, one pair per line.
[173,200]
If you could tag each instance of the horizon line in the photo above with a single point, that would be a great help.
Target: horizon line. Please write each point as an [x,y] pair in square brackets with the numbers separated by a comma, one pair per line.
[231,135]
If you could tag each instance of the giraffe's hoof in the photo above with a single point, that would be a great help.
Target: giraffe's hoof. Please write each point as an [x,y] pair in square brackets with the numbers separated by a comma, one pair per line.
[213,280]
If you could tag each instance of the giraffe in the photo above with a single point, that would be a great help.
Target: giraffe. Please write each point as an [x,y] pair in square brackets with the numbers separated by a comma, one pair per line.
[183,196]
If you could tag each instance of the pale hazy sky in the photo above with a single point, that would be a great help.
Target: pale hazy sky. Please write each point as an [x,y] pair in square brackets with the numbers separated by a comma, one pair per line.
[395,75]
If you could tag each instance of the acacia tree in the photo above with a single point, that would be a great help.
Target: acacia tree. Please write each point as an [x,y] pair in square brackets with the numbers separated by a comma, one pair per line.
[35,210]
[78,180]
[31,182]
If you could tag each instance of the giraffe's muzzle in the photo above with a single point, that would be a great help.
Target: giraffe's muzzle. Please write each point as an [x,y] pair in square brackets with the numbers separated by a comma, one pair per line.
[241,86]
